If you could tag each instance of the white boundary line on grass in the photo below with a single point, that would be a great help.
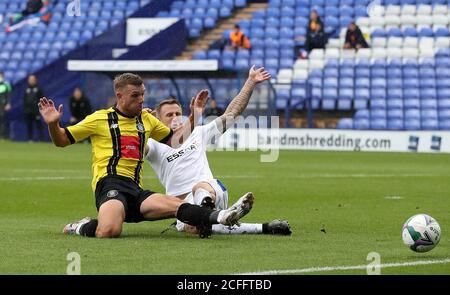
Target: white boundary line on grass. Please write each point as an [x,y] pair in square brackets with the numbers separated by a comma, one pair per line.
[350,267]
[49,178]
[300,176]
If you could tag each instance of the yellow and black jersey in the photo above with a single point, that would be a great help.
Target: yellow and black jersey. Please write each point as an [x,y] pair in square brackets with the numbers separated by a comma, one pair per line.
[118,142]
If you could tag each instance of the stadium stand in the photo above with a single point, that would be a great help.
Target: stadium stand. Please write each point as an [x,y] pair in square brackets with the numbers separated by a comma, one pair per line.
[405,69]
[33,47]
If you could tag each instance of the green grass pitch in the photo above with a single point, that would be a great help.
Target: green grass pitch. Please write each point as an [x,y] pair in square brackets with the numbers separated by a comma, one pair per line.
[341,206]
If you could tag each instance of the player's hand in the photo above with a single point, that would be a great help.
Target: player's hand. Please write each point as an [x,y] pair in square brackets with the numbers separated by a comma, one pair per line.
[200,100]
[48,111]
[7,107]
[258,75]
[150,111]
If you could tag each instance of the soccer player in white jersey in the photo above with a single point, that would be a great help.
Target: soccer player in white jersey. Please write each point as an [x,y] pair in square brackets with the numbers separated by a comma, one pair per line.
[185,172]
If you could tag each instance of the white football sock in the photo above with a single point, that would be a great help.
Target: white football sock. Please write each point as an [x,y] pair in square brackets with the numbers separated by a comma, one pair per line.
[245,228]
[200,194]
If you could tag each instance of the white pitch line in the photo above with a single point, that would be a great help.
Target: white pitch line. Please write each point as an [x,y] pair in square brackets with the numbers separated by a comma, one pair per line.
[43,178]
[238,176]
[359,175]
[350,267]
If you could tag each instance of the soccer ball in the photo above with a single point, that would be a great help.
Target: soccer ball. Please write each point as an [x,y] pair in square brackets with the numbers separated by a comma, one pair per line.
[421,233]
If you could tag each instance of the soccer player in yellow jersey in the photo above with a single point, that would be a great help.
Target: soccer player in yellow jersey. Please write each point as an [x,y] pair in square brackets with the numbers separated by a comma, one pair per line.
[119,135]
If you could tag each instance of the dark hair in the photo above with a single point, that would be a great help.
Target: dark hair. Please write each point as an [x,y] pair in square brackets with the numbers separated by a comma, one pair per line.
[125,79]
[237,27]
[170,100]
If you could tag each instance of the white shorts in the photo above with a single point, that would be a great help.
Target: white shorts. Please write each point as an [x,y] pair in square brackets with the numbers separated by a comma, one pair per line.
[220,203]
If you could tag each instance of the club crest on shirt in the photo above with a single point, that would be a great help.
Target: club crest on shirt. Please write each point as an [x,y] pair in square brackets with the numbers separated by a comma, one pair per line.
[140,127]
[112,193]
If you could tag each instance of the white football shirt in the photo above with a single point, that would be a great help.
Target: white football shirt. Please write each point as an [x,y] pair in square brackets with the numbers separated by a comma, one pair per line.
[180,169]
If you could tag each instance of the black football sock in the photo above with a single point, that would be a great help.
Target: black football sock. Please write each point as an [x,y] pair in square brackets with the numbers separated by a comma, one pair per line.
[196,215]
[88,229]
[265,228]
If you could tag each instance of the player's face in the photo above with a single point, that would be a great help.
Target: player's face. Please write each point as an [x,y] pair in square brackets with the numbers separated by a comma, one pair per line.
[130,99]
[170,115]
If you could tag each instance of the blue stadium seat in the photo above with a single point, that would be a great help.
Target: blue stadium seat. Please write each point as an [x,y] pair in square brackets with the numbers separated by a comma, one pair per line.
[379,83]
[378,93]
[271,63]
[428,93]
[377,103]
[362,72]
[394,103]
[378,124]
[331,72]
[430,124]
[346,123]
[344,104]
[395,124]
[411,103]
[360,11]
[214,54]
[362,114]
[411,93]
[224,12]
[242,63]
[286,63]
[425,32]
[210,23]
[444,125]
[298,93]
[410,83]
[410,32]
[412,124]
[287,23]
[362,82]
[330,93]
[227,64]
[328,104]
[273,12]
[361,124]
[362,96]
[346,82]
[429,114]
[412,114]
[431,83]
[395,113]
[444,104]
[393,83]
[443,93]
[272,23]
[330,82]
[287,11]
[347,72]
[444,114]
[394,93]
[199,55]
[346,94]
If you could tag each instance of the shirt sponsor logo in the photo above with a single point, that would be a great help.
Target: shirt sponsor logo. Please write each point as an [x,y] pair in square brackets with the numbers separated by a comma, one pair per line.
[182,152]
[129,146]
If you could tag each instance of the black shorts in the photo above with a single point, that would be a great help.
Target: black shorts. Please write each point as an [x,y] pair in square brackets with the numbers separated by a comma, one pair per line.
[124,189]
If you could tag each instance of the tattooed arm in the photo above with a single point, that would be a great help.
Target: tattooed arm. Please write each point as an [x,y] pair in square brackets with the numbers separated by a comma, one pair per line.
[239,103]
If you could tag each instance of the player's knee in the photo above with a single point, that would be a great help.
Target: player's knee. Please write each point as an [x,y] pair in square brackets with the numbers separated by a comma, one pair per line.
[206,186]
[108,232]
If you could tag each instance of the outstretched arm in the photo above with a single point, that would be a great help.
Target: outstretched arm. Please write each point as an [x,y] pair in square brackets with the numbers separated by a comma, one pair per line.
[52,116]
[240,102]
[197,107]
